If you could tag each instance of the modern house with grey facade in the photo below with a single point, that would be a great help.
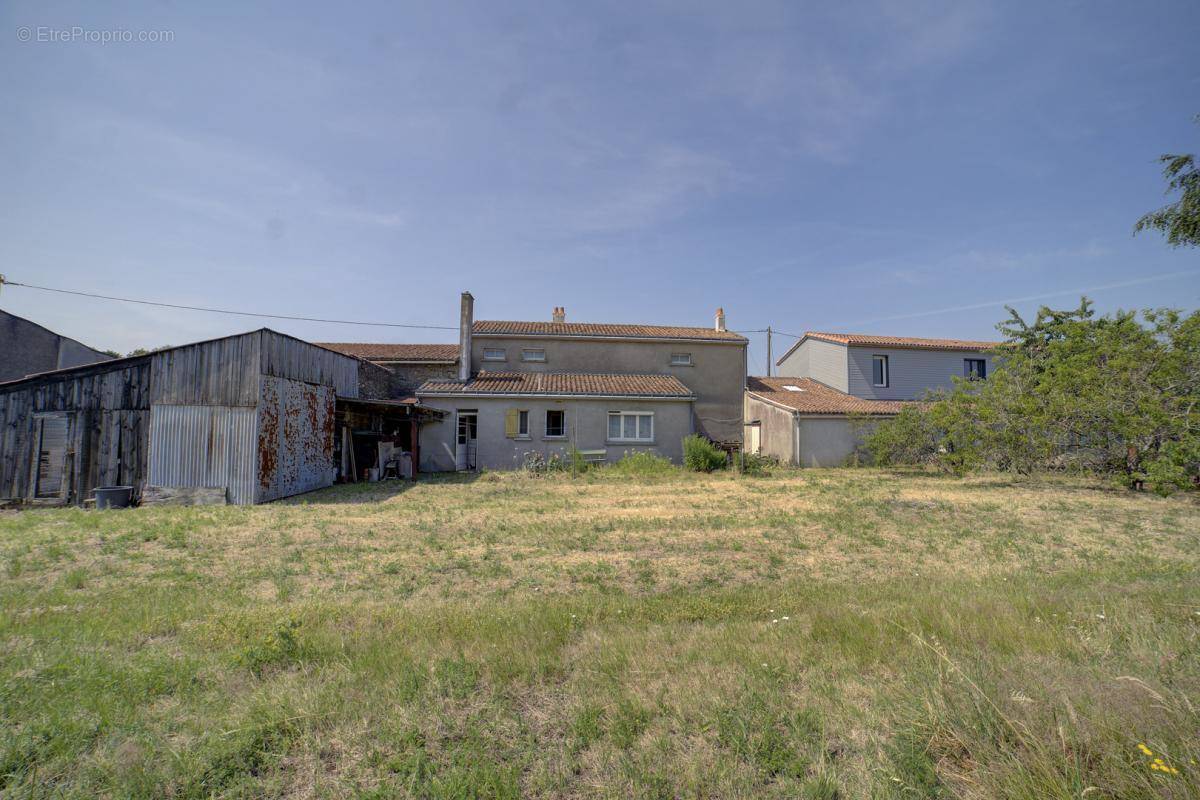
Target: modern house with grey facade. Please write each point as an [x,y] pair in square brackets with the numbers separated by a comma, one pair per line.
[27,348]
[542,389]
[809,415]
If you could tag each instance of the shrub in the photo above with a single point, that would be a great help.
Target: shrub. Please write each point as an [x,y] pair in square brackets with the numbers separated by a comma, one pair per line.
[754,463]
[701,455]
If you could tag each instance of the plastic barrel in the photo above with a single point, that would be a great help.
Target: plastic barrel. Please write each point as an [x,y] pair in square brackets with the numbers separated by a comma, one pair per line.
[113,496]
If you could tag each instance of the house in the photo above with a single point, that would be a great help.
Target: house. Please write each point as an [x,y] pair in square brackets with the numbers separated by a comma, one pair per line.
[260,415]
[541,389]
[27,348]
[829,384]
[410,364]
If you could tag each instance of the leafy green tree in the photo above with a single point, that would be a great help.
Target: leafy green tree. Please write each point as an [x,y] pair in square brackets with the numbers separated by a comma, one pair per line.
[1180,220]
[1118,394]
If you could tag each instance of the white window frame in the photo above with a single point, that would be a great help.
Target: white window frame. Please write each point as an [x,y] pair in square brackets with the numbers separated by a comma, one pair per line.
[622,439]
[525,354]
[546,424]
[493,357]
[681,360]
[887,372]
[522,423]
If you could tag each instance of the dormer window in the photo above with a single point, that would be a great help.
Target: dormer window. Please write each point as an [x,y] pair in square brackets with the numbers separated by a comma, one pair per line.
[879,371]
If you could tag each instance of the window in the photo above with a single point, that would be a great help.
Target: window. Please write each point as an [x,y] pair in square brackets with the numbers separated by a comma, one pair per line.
[681,359]
[630,426]
[533,354]
[879,370]
[494,354]
[556,423]
[516,424]
[975,368]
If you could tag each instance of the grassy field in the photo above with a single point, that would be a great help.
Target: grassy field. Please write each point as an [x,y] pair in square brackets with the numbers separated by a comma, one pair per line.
[811,634]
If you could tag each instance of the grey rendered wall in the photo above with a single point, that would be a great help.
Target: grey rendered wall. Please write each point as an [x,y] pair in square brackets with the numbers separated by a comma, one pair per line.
[717,376]
[821,361]
[587,429]
[27,348]
[777,431]
[910,372]
[826,441]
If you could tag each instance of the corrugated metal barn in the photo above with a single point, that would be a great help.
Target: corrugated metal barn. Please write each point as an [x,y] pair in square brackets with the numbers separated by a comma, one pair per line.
[252,413]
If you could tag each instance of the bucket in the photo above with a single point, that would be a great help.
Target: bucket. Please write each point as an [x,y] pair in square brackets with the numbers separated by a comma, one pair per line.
[113,496]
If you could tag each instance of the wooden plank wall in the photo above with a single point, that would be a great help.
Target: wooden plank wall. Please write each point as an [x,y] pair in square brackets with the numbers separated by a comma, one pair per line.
[109,412]
[221,372]
[285,357]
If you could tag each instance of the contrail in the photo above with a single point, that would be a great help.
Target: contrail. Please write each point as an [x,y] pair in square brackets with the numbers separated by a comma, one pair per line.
[993,303]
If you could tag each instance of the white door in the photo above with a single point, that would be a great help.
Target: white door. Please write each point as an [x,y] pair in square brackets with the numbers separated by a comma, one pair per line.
[752,439]
[465,439]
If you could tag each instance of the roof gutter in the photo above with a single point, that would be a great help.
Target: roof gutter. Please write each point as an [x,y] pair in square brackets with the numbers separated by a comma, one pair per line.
[544,395]
[741,340]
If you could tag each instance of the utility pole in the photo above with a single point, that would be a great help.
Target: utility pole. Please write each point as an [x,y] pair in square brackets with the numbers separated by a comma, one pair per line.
[768,351]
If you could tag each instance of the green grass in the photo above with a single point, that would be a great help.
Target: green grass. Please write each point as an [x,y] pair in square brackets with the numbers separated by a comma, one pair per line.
[815,634]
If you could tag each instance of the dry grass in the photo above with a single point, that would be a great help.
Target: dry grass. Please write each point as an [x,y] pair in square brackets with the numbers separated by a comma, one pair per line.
[815,633]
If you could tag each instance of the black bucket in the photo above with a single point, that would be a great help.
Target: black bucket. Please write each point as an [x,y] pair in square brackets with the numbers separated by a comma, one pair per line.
[113,496]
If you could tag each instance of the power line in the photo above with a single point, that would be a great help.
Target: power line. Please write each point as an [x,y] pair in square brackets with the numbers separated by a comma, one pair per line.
[5,282]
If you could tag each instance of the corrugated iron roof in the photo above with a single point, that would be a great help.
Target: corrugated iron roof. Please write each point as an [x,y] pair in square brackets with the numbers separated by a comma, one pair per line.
[417,353]
[490,327]
[813,397]
[565,384]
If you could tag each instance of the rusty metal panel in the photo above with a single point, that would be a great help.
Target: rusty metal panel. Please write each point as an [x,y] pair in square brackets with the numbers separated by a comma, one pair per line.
[295,438]
[204,446]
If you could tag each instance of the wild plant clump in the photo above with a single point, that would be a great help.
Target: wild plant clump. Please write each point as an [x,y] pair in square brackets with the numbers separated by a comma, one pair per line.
[701,455]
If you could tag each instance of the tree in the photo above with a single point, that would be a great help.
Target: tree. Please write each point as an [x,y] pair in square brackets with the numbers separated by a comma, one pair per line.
[1180,220]
[1118,394]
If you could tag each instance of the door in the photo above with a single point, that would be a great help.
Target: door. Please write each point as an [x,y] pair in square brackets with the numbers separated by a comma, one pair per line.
[51,455]
[753,443]
[466,439]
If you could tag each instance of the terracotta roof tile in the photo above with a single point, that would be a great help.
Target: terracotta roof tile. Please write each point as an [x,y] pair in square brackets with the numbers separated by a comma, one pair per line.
[566,384]
[817,398]
[511,328]
[396,352]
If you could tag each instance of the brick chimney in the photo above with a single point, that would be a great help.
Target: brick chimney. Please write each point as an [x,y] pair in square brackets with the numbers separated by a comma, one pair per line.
[720,322]
[559,315]
[466,320]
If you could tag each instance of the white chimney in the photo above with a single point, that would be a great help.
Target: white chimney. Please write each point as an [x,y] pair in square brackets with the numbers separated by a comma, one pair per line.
[560,314]
[466,320]
[720,325]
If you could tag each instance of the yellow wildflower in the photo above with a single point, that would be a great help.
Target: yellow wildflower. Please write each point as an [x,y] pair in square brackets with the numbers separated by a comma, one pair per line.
[1145,749]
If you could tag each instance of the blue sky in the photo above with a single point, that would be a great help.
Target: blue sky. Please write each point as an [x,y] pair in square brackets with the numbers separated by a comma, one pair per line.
[883,167]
